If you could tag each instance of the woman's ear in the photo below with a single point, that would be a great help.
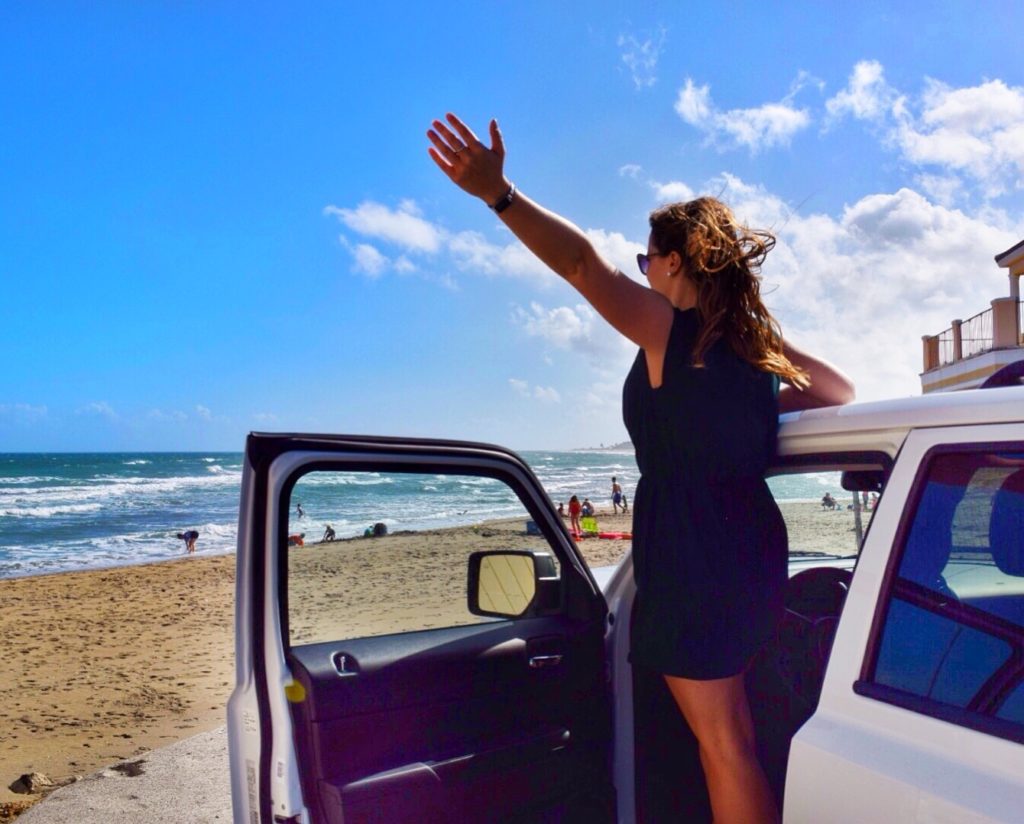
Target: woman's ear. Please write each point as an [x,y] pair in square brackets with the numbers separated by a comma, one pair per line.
[675,263]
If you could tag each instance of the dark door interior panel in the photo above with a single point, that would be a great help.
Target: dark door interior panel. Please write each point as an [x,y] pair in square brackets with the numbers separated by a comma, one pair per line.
[496,722]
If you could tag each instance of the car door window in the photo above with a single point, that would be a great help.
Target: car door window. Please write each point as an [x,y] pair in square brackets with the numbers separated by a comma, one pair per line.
[372,553]
[952,640]
[824,519]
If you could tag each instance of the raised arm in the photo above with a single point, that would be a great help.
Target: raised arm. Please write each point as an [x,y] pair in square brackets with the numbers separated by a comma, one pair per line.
[829,385]
[639,313]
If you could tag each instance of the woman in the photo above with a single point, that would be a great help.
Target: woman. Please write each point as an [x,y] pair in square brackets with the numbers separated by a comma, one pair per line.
[575,509]
[701,405]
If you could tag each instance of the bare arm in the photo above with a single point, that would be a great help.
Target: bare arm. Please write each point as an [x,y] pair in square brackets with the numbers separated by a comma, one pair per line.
[829,385]
[639,313]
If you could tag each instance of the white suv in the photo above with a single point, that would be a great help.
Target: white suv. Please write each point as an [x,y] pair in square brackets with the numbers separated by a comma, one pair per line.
[482,674]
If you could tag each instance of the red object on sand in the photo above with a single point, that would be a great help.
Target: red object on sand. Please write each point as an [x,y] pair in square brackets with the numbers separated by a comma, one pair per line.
[616,536]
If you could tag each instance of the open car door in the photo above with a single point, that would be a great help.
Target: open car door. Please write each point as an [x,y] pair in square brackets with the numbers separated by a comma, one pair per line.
[417,640]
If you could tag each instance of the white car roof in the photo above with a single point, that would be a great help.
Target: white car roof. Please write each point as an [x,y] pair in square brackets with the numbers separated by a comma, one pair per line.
[885,424]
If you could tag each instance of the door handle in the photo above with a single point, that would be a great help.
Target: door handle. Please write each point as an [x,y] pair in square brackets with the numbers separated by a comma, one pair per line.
[345,665]
[541,661]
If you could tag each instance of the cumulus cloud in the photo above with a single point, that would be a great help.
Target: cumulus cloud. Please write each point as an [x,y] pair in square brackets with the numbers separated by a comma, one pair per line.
[99,409]
[976,132]
[757,128]
[641,57]
[545,394]
[203,412]
[369,260]
[861,288]
[577,329]
[867,95]
[961,137]
[404,226]
[671,192]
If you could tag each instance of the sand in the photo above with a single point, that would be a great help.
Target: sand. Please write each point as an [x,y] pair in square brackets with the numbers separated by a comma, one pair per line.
[102,666]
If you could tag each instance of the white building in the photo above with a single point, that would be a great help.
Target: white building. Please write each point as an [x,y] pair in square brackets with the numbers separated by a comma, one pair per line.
[971,350]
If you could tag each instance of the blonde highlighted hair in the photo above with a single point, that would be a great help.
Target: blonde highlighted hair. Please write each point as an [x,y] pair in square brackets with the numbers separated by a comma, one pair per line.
[723,259]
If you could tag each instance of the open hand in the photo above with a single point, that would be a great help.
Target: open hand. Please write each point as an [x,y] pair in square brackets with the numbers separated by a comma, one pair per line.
[469,164]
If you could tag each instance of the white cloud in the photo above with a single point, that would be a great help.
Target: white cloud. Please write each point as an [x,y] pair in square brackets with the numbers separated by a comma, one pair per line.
[545,394]
[867,95]
[672,192]
[203,412]
[641,57]
[861,288]
[472,252]
[976,132]
[632,170]
[368,260]
[23,412]
[265,417]
[761,127]
[577,329]
[100,409]
[403,227]
[162,416]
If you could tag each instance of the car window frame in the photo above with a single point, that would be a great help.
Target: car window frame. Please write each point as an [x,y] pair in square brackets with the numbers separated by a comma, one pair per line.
[865,685]
[557,539]
[839,461]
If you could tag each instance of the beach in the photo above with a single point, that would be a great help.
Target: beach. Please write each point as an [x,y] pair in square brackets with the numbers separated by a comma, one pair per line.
[104,665]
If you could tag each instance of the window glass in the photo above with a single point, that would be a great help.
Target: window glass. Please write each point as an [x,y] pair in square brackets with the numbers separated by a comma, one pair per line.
[955,623]
[379,553]
[823,519]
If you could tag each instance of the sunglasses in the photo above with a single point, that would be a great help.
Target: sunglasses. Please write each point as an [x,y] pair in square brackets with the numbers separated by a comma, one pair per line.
[644,261]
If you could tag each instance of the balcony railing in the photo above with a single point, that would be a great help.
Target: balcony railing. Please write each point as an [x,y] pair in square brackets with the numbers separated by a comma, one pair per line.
[981,333]
[976,334]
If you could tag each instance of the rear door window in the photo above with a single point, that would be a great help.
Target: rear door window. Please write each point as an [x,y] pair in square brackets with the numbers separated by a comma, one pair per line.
[952,642]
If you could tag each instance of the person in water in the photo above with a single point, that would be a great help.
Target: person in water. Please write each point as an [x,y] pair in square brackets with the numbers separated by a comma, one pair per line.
[616,496]
[189,537]
[701,405]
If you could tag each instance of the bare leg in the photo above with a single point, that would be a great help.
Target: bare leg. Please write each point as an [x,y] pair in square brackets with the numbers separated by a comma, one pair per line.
[719,716]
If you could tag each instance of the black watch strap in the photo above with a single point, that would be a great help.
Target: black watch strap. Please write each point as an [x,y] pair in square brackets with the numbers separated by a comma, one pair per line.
[505,201]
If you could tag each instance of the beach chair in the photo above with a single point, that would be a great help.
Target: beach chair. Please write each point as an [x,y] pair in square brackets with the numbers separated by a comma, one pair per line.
[588,523]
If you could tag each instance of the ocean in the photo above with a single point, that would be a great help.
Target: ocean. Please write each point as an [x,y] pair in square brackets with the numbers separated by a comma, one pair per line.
[63,512]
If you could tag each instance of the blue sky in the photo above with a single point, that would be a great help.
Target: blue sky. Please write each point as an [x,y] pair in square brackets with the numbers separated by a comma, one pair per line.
[220,218]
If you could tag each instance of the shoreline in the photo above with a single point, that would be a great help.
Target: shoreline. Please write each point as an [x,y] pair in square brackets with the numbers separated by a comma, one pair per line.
[107,664]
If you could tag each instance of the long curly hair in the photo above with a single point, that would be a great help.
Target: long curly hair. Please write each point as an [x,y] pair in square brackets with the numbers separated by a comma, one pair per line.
[723,259]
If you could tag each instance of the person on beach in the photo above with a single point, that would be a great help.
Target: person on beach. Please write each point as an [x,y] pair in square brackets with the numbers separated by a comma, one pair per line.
[701,405]
[575,510]
[586,508]
[298,539]
[616,495]
[298,509]
[189,537]
[328,533]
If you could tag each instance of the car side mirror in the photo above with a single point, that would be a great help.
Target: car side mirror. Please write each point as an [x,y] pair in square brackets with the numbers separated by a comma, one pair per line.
[512,583]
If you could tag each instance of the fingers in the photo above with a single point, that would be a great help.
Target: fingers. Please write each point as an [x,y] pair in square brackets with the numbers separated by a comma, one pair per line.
[442,144]
[442,164]
[497,141]
[464,131]
[447,139]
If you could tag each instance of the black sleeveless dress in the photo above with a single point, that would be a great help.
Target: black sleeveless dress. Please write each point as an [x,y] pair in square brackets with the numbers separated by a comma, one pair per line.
[709,542]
